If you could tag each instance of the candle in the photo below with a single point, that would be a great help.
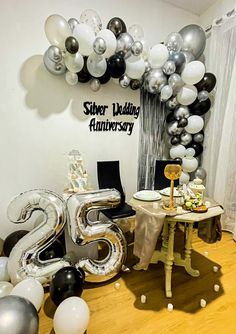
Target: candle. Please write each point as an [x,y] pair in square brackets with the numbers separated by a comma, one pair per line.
[170,307]
[215,269]
[216,287]
[117,286]
[143,299]
[203,303]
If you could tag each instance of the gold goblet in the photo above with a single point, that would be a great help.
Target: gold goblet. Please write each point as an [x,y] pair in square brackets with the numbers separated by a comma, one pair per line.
[172,172]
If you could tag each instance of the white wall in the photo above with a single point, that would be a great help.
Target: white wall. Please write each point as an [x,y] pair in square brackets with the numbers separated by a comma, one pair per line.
[220,7]
[42,117]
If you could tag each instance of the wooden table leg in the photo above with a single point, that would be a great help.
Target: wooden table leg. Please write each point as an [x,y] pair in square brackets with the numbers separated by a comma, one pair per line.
[188,250]
[169,259]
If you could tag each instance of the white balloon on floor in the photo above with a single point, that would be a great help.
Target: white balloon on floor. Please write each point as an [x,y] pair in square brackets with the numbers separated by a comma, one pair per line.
[71,316]
[30,289]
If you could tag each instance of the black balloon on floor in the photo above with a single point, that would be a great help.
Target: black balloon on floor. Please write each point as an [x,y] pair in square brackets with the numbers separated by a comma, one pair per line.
[67,282]
[84,75]
[175,140]
[135,84]
[105,77]
[197,147]
[11,240]
[207,83]
[182,122]
[200,107]
[72,45]
[55,250]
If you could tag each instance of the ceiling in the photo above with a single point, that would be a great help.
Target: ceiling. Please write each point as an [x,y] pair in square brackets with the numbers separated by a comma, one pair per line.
[197,7]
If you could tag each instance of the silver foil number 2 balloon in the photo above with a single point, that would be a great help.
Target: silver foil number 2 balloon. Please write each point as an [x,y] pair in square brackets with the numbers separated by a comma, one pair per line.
[84,231]
[24,258]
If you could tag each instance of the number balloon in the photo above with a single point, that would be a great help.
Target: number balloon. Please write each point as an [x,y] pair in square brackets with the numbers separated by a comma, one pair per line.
[24,258]
[84,231]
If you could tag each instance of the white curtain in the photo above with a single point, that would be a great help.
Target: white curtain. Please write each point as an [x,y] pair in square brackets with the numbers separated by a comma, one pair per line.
[220,134]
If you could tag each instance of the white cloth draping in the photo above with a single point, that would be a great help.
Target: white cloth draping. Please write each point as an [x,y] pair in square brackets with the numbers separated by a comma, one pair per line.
[220,139]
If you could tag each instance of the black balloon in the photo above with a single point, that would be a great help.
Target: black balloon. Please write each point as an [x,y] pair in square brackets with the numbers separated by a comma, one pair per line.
[11,240]
[197,147]
[207,83]
[179,160]
[55,250]
[200,107]
[182,122]
[175,140]
[117,26]
[105,77]
[116,65]
[72,45]
[179,59]
[84,75]
[67,282]
[135,84]
[170,117]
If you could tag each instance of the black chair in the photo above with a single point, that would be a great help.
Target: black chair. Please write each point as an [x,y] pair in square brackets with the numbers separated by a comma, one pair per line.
[108,174]
[160,181]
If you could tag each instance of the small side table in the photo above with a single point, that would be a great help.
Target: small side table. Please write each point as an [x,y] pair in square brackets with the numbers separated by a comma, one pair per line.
[167,255]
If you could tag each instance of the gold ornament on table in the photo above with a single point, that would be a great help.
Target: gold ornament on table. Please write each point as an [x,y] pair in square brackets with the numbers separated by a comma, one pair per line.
[77,175]
[172,172]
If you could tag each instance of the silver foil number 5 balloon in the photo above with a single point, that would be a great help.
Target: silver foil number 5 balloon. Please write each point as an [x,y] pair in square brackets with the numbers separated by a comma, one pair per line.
[84,231]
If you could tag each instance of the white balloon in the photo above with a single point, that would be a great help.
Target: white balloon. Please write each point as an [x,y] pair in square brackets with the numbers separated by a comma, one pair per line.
[71,316]
[110,40]
[96,65]
[189,164]
[193,72]
[177,151]
[135,67]
[57,30]
[5,289]
[158,55]
[74,62]
[85,36]
[4,276]
[30,289]
[71,78]
[187,95]
[166,93]
[190,152]
[184,178]
[195,124]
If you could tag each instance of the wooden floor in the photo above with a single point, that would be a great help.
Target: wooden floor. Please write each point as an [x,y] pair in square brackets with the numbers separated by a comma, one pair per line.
[120,311]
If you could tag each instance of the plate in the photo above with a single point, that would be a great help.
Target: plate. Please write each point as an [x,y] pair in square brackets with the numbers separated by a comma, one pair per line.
[147,195]
[166,192]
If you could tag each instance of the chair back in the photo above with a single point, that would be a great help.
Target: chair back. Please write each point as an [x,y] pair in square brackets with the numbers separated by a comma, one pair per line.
[160,181]
[108,174]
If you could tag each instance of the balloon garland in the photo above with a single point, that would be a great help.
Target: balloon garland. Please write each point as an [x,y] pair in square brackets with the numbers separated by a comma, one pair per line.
[84,52]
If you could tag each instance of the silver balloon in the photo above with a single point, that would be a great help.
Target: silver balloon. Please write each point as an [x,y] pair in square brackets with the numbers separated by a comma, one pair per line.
[173,129]
[166,93]
[18,316]
[124,81]
[179,59]
[176,83]
[137,48]
[181,112]
[185,138]
[24,257]
[95,85]
[124,42]
[174,42]
[83,231]
[172,103]
[200,173]
[155,80]
[73,23]
[203,95]
[198,137]
[147,66]
[188,56]
[194,39]
[53,60]
[169,67]
[99,46]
